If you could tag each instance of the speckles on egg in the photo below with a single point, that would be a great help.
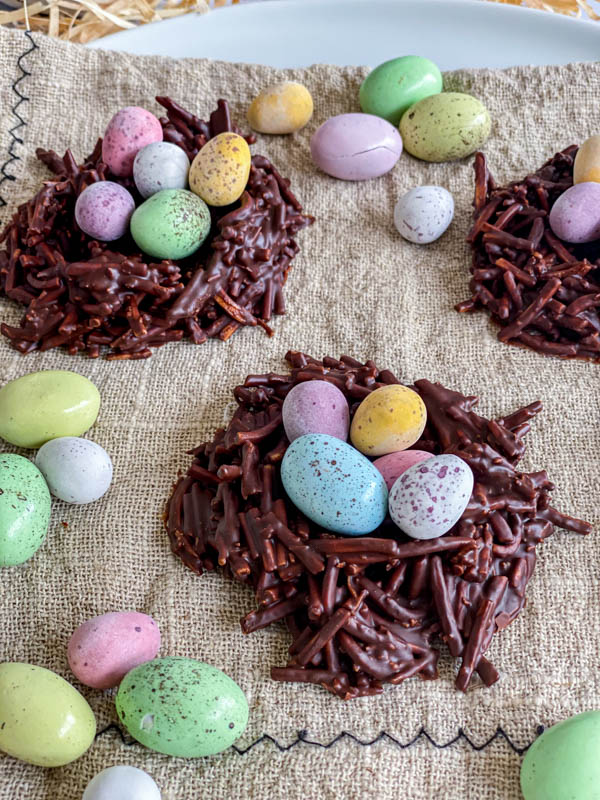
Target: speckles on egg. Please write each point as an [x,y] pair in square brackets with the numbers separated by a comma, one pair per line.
[172,223]
[77,470]
[424,213]
[315,407]
[160,165]
[103,210]
[219,172]
[24,509]
[129,130]
[430,497]
[391,418]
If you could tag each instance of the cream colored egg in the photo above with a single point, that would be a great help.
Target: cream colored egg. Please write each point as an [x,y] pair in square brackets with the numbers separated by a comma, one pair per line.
[587,161]
[283,107]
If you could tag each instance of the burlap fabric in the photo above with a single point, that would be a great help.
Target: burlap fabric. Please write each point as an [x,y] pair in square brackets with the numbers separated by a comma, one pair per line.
[356,288]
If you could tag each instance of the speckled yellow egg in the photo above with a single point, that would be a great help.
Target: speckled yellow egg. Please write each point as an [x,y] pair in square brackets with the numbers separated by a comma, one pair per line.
[281,108]
[220,171]
[587,161]
[391,418]
[43,719]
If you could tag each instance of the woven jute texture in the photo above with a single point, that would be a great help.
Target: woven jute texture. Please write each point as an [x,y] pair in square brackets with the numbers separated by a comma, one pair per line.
[355,288]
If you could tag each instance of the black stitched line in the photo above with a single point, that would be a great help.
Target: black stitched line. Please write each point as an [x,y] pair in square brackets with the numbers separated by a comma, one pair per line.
[21,123]
[302,738]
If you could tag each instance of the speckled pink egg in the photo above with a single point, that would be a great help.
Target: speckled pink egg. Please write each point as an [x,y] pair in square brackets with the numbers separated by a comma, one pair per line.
[575,216]
[315,407]
[104,649]
[394,464]
[430,497]
[129,130]
[355,147]
[103,210]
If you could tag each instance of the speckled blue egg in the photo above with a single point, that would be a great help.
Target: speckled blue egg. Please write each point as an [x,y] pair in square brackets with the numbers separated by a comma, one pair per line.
[334,485]
[160,165]
[103,210]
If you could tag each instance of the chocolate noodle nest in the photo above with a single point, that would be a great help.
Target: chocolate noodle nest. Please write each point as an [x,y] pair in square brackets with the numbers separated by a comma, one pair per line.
[364,611]
[83,295]
[545,293]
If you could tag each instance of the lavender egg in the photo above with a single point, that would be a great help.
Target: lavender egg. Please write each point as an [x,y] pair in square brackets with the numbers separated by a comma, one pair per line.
[429,498]
[575,216]
[423,214]
[355,147]
[315,407]
[160,165]
[103,210]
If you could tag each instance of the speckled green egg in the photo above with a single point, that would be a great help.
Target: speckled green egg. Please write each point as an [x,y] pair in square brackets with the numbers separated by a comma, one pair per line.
[445,127]
[24,509]
[172,223]
[182,707]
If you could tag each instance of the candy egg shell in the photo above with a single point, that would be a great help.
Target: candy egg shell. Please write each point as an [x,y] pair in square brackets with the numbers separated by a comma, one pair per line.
[586,167]
[394,464]
[281,108]
[355,147]
[563,762]
[104,649]
[394,86]
[220,171]
[160,165]
[45,405]
[24,509]
[103,210]
[45,721]
[445,127]
[122,783]
[129,130]
[389,419]
[77,470]
[334,485]
[429,498]
[424,213]
[315,407]
[182,707]
[172,223]
[575,216]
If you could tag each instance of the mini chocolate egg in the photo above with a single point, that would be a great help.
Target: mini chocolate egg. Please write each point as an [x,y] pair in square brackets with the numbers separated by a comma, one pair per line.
[103,210]
[76,470]
[129,130]
[586,166]
[334,485]
[394,464]
[172,223]
[394,86]
[355,147]
[43,719]
[220,171]
[122,783]
[390,418]
[563,763]
[24,509]
[424,213]
[315,407]
[281,108]
[430,497]
[160,165]
[182,707]
[575,216]
[45,405]
[104,649]
[445,126]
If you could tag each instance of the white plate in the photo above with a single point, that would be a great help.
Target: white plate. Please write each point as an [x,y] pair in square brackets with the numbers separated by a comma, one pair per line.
[296,33]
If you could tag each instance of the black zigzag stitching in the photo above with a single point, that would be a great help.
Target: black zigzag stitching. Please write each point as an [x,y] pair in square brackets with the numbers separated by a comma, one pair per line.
[302,738]
[20,123]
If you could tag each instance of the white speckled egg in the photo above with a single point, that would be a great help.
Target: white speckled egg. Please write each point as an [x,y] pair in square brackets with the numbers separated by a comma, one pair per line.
[77,470]
[122,783]
[430,497]
[424,213]
[160,165]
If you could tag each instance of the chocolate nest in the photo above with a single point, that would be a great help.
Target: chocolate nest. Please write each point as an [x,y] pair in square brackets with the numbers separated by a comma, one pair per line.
[84,295]
[368,610]
[543,292]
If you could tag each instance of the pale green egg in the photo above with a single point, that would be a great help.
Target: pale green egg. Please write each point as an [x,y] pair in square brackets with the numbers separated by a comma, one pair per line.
[172,223]
[24,509]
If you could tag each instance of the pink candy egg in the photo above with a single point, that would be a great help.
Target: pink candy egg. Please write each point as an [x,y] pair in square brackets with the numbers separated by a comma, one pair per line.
[129,130]
[575,216]
[315,407]
[103,210]
[104,649]
[394,464]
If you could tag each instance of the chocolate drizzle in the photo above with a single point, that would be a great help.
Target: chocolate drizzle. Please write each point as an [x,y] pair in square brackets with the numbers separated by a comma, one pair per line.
[364,611]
